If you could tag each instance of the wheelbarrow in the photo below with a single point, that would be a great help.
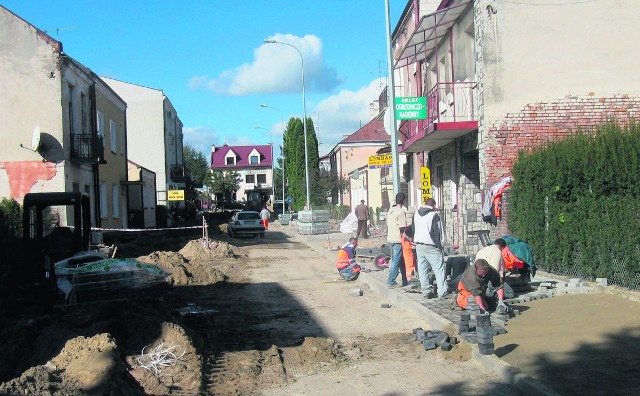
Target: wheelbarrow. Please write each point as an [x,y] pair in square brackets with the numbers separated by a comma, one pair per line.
[380,256]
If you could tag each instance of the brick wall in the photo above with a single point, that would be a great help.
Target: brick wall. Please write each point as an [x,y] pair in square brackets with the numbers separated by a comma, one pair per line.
[539,123]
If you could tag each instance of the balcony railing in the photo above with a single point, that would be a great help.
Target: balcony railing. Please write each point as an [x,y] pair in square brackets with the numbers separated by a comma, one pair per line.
[452,102]
[86,148]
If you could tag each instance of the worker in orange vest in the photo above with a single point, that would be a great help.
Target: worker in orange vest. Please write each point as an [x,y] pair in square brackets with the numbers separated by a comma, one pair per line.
[346,263]
[475,281]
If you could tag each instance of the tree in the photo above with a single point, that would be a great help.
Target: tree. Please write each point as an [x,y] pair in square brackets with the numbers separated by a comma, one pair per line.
[222,183]
[196,164]
[294,153]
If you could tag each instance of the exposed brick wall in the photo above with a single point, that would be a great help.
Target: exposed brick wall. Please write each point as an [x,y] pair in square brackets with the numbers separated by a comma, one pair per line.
[539,123]
[23,175]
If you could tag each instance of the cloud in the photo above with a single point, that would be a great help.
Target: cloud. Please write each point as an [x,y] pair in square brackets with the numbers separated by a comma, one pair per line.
[344,113]
[275,69]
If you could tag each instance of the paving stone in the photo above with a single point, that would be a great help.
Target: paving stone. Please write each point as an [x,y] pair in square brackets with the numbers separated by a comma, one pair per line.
[421,334]
[416,330]
[441,338]
[446,346]
[429,344]
[573,282]
[486,349]
[546,284]
[602,281]
[385,305]
[355,292]
[453,340]
[515,312]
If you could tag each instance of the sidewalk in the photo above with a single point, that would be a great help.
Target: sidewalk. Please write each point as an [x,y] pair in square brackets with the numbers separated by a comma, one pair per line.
[437,313]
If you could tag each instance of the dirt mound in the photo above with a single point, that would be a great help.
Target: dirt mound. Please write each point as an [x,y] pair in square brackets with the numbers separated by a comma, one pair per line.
[84,365]
[196,250]
[171,362]
[182,271]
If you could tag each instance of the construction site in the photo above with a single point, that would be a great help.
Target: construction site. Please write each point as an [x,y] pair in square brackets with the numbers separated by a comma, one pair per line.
[250,316]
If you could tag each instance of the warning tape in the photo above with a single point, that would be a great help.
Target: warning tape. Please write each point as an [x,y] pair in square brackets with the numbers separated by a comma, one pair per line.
[143,229]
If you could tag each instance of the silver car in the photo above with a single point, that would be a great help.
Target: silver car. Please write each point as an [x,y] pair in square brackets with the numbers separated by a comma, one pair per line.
[245,223]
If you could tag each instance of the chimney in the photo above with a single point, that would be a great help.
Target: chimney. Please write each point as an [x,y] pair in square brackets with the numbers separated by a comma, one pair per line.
[213,148]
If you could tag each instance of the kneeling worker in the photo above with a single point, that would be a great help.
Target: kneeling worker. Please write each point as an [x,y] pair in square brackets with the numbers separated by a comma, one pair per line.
[346,264]
[475,281]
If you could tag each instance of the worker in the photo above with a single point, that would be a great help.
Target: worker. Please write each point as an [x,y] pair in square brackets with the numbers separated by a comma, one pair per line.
[346,264]
[511,262]
[475,281]
[493,255]
[265,215]
[429,237]
[408,255]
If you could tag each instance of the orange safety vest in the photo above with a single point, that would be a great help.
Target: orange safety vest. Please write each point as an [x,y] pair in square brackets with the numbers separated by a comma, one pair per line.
[510,260]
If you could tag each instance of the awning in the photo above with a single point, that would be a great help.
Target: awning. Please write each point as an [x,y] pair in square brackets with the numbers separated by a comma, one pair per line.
[431,29]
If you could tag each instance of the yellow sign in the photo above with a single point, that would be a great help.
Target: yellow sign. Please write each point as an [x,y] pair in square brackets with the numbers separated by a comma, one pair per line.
[380,161]
[175,195]
[425,178]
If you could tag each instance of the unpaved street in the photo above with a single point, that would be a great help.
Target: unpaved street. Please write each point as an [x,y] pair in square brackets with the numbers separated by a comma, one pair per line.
[249,316]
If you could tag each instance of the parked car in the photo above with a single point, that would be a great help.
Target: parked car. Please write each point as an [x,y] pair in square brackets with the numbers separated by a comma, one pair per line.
[245,222]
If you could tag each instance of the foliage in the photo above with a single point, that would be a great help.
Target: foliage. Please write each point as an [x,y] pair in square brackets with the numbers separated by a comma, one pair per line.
[10,219]
[576,202]
[277,180]
[294,163]
[196,164]
[223,183]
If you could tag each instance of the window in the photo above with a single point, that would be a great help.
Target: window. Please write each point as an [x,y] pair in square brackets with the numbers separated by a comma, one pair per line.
[103,200]
[262,178]
[75,187]
[113,132]
[100,126]
[115,196]
[231,160]
[255,159]
[250,179]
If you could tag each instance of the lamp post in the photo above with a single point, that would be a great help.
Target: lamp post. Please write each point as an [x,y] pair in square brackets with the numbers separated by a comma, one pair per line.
[282,153]
[304,121]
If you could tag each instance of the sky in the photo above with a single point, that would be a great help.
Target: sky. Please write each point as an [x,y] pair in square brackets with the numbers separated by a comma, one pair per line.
[210,59]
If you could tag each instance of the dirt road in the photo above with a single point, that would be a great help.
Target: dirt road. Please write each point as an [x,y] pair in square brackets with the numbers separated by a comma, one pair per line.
[250,316]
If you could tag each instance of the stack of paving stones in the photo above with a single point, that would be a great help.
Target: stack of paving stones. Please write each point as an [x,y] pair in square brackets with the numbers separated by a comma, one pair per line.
[484,334]
[432,339]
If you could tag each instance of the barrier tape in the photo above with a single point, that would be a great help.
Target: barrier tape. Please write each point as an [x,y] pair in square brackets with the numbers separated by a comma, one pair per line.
[143,229]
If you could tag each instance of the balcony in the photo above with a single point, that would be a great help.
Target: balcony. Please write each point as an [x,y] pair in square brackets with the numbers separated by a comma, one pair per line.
[86,148]
[451,113]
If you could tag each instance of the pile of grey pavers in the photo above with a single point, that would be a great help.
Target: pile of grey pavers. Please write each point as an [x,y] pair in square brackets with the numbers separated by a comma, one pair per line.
[432,339]
[485,328]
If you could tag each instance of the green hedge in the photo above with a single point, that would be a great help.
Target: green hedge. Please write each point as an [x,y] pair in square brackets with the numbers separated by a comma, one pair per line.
[577,203]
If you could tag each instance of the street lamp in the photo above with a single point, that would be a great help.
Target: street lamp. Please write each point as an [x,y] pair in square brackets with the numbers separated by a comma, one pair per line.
[304,121]
[282,153]
[268,130]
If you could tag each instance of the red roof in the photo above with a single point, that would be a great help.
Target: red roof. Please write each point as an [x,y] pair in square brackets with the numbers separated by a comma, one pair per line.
[372,132]
[242,157]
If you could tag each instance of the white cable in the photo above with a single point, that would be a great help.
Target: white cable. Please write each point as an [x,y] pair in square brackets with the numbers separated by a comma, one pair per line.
[159,358]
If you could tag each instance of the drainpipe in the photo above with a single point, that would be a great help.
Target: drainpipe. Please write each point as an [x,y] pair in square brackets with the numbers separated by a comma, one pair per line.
[96,172]
[453,84]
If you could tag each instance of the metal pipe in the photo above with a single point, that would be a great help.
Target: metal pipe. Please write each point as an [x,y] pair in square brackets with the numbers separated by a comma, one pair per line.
[395,168]
[281,153]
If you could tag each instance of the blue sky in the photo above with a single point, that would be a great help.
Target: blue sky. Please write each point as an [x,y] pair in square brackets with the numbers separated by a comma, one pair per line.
[210,60]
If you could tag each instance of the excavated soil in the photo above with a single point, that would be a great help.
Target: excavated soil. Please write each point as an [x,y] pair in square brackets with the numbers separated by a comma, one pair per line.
[209,329]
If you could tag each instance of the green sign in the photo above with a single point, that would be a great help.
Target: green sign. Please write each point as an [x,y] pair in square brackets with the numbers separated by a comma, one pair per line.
[411,108]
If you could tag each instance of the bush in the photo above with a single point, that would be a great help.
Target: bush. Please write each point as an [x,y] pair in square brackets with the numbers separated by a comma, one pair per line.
[576,202]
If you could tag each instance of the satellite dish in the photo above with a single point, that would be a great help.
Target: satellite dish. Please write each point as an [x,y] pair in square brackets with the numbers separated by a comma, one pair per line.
[50,148]
[356,174]
[35,139]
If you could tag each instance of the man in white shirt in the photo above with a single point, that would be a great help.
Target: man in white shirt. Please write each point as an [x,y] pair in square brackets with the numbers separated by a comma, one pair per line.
[396,223]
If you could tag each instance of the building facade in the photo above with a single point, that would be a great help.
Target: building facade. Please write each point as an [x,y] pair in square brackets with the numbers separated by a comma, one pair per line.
[154,134]
[51,140]
[500,77]
[254,165]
